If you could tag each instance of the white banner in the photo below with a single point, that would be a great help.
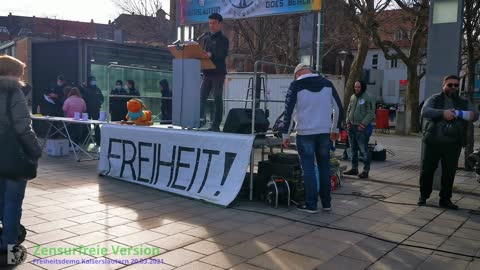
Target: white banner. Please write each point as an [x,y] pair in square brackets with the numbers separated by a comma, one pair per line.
[210,166]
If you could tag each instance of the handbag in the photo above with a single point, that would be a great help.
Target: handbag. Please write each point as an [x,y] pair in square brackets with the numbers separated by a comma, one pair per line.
[443,132]
[14,161]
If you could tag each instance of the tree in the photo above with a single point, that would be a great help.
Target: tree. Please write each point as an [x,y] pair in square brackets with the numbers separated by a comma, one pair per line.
[139,7]
[362,14]
[173,14]
[276,38]
[471,52]
[417,11]
[273,39]
[145,22]
[60,29]
[337,37]
[471,28]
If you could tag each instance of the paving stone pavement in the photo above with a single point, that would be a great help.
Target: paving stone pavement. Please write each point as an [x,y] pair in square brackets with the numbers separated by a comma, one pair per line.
[69,205]
[404,166]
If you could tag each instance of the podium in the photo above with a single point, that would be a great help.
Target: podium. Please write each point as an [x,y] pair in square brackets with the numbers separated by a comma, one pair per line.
[189,60]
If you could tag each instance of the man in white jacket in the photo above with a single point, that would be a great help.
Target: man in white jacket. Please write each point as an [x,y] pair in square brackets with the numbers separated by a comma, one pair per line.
[315,100]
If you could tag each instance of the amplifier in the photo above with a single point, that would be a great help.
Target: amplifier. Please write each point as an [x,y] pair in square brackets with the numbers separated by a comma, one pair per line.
[268,168]
[239,120]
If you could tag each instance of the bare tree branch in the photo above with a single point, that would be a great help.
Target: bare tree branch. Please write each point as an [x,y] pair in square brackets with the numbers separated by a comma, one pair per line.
[139,7]
[471,49]
[362,14]
[417,11]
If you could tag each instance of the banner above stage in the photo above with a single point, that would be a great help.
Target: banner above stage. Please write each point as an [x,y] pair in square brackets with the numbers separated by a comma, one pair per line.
[197,11]
[208,166]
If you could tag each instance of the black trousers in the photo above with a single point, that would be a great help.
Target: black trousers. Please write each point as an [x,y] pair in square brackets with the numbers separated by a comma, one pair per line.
[75,131]
[94,115]
[215,85]
[448,154]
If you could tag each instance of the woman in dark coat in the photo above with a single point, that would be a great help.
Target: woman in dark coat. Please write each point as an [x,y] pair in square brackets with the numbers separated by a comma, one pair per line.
[94,98]
[118,105]
[132,91]
[12,191]
[166,103]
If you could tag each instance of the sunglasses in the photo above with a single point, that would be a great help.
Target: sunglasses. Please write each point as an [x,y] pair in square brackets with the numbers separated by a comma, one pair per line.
[452,85]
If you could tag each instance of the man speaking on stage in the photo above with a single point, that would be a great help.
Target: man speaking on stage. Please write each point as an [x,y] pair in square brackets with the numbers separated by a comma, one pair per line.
[216,48]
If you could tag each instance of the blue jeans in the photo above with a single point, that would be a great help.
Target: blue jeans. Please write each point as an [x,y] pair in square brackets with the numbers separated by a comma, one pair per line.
[311,147]
[12,193]
[359,142]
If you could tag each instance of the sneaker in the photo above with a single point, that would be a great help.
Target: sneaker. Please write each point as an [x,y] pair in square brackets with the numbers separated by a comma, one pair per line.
[351,172]
[363,175]
[422,201]
[327,206]
[447,204]
[304,208]
[13,257]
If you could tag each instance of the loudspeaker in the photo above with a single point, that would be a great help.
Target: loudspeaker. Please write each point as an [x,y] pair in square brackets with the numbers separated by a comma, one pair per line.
[239,120]
[267,168]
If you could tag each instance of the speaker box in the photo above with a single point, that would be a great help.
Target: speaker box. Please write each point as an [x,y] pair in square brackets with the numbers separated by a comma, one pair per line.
[239,120]
[268,168]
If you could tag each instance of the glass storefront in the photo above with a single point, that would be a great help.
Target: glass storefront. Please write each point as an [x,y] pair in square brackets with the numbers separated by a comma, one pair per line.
[146,67]
[146,82]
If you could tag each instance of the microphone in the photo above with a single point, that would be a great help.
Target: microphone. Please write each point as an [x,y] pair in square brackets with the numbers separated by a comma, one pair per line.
[202,36]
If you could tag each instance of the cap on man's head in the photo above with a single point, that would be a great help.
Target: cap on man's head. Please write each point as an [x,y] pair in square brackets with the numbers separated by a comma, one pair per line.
[299,67]
[215,16]
[60,78]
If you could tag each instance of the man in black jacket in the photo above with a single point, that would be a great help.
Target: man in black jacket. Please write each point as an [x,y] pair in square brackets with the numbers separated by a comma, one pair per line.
[216,47]
[447,117]
[166,104]
[57,96]
[94,99]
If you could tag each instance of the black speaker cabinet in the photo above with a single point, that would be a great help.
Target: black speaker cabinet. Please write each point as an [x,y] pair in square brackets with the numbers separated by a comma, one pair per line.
[239,120]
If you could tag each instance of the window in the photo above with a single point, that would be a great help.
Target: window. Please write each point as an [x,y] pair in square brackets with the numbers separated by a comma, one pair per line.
[390,91]
[8,51]
[410,34]
[24,32]
[4,29]
[394,63]
[445,11]
[375,61]
[397,35]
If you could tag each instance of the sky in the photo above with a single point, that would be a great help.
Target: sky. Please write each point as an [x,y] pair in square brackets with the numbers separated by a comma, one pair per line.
[75,10]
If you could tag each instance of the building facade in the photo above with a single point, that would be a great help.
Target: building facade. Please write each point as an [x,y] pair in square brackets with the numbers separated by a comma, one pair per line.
[386,78]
